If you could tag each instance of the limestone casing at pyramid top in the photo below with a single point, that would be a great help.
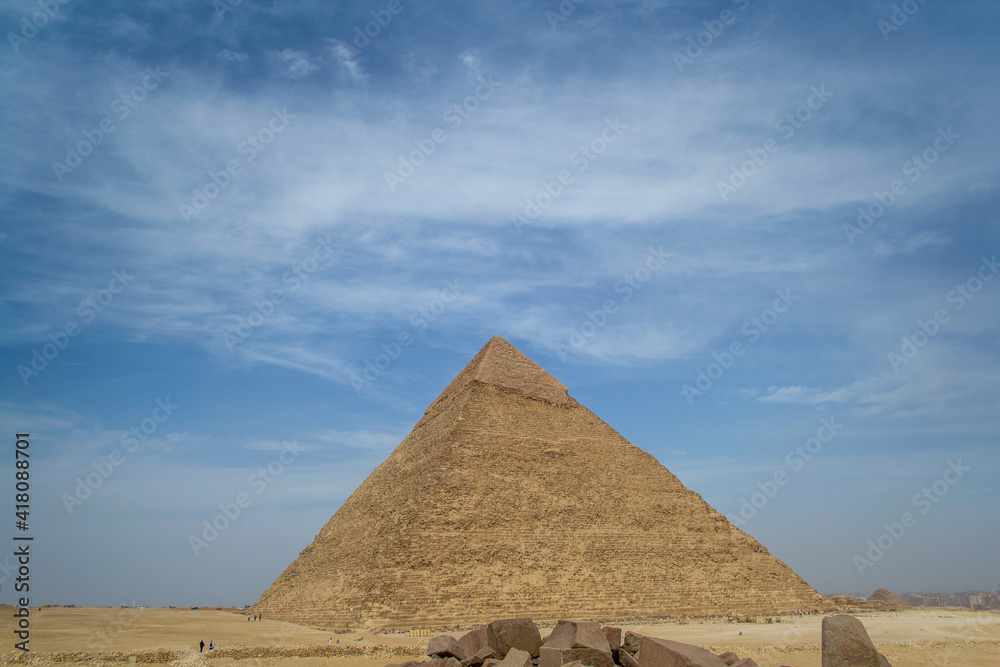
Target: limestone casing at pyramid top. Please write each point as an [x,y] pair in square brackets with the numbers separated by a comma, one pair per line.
[501,364]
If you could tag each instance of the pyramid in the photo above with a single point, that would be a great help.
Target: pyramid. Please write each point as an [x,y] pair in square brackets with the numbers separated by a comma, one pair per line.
[509,498]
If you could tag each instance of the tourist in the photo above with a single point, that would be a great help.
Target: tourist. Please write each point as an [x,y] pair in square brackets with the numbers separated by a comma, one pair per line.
[211,644]
[201,646]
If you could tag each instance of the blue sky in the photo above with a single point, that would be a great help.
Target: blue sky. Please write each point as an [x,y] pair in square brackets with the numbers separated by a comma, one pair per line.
[718,223]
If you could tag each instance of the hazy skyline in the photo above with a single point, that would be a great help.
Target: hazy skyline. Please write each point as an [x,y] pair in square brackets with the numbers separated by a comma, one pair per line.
[245,244]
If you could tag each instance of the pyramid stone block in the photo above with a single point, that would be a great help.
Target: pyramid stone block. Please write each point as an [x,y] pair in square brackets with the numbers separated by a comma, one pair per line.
[474,641]
[632,641]
[516,658]
[665,653]
[479,657]
[445,646]
[576,640]
[519,633]
[846,644]
[480,514]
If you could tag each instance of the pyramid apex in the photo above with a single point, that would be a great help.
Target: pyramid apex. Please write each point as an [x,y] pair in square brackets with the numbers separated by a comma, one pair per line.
[500,364]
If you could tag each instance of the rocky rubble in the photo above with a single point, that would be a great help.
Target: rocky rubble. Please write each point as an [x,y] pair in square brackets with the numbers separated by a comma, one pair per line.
[518,643]
[156,656]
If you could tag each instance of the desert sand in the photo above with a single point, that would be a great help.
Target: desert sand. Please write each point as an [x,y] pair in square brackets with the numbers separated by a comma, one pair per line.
[915,638]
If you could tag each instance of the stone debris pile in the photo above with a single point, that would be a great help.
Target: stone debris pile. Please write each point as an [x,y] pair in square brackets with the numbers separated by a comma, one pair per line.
[517,642]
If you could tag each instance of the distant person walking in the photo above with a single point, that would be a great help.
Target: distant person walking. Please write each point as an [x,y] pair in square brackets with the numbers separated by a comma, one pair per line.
[201,646]
[330,642]
[248,618]
[211,644]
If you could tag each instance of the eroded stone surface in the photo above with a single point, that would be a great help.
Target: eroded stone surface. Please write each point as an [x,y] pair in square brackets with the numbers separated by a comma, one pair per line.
[665,653]
[846,644]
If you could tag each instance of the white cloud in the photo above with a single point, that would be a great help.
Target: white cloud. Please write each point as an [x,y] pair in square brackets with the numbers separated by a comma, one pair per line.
[234,56]
[909,245]
[345,55]
[297,63]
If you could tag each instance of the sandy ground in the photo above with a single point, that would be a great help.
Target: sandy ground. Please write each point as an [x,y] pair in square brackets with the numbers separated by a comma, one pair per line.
[927,637]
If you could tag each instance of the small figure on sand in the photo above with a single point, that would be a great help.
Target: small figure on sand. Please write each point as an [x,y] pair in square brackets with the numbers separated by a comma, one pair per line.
[330,642]
[211,644]
[201,646]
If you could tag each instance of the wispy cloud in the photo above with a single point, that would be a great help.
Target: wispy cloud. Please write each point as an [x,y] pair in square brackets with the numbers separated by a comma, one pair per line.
[297,64]
[344,55]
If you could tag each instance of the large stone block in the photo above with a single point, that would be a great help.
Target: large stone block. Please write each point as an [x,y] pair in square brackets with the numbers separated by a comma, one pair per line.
[633,640]
[557,657]
[445,646]
[576,640]
[520,633]
[625,659]
[729,658]
[665,653]
[745,662]
[516,658]
[443,662]
[846,644]
[578,634]
[614,637]
[474,640]
[479,657]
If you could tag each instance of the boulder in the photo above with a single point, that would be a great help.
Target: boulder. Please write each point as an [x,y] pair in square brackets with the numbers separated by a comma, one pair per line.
[478,658]
[520,633]
[557,657]
[729,658]
[579,634]
[516,658]
[576,640]
[445,646]
[614,637]
[625,659]
[846,644]
[474,640]
[442,662]
[745,662]
[665,653]
[632,642]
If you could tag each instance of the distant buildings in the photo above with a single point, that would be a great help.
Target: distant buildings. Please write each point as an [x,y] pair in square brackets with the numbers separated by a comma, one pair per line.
[974,600]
